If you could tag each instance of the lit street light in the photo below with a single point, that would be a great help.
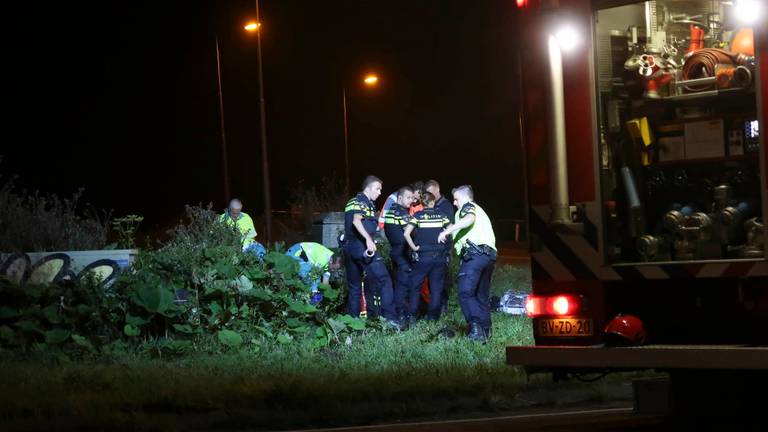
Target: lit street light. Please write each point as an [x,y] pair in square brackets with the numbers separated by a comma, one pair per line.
[370,80]
[563,39]
[252,26]
[255,27]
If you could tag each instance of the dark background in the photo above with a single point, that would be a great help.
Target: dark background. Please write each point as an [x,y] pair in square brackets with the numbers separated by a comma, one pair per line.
[120,99]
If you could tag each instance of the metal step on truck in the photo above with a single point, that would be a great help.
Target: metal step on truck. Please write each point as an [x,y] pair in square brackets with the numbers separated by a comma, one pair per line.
[642,126]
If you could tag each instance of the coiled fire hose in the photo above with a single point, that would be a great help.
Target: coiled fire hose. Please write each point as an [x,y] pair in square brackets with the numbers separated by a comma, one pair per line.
[701,64]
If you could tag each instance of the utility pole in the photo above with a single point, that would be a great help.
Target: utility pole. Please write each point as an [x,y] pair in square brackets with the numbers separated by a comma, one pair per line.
[224,157]
[263,124]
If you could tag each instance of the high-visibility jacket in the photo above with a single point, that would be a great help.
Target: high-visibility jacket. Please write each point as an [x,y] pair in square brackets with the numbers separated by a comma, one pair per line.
[479,233]
[315,254]
[244,224]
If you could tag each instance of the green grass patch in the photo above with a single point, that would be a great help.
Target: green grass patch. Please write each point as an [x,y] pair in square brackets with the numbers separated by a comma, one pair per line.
[371,377]
[365,377]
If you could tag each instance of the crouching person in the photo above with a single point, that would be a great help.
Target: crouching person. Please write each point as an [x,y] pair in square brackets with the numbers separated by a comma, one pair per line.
[316,263]
[236,217]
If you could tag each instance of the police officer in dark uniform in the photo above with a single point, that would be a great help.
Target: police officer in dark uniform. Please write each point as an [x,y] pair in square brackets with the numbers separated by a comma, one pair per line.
[475,242]
[429,256]
[443,206]
[360,253]
[396,218]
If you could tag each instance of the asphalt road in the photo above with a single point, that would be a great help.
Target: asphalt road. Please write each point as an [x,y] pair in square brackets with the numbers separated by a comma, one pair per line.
[595,419]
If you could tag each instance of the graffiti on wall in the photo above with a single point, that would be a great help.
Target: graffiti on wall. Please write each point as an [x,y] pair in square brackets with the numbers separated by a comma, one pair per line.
[57,267]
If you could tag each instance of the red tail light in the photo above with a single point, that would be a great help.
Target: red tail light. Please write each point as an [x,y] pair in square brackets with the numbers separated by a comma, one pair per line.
[522,3]
[560,305]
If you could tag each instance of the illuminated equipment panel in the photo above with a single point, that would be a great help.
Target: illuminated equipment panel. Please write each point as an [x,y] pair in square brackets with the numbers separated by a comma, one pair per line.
[679,132]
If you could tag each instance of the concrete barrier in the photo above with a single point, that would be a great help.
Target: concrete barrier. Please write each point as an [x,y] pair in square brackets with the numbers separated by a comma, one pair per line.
[47,267]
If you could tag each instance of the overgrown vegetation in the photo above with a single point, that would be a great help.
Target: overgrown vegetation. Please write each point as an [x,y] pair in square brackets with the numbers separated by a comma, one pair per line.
[197,331]
[196,326]
[45,222]
[199,285]
[125,229]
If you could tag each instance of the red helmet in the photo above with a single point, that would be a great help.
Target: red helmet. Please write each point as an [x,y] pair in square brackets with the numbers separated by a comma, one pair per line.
[625,330]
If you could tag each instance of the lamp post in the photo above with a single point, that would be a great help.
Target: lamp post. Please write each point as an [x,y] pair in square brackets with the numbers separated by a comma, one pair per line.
[224,161]
[256,27]
[370,80]
[565,39]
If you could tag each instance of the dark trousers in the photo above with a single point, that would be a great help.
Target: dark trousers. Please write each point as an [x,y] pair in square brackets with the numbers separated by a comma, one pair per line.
[378,280]
[474,285]
[447,284]
[431,265]
[402,279]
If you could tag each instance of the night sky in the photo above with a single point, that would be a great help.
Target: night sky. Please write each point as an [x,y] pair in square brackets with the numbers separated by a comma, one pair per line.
[120,99]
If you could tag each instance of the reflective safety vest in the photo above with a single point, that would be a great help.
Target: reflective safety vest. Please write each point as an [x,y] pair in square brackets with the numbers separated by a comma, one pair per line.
[314,253]
[244,224]
[479,233]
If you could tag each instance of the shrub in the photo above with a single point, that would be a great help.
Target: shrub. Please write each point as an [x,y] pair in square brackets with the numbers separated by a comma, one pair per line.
[46,222]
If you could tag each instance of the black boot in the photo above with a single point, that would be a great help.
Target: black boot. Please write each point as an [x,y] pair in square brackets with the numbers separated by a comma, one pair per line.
[476,333]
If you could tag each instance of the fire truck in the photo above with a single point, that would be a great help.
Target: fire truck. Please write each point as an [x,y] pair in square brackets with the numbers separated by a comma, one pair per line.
[642,125]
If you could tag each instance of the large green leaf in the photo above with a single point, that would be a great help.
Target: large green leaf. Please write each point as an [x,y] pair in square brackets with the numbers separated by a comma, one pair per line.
[294,322]
[229,338]
[131,331]
[300,307]
[255,273]
[217,286]
[328,291]
[282,263]
[353,323]
[83,342]
[259,293]
[284,338]
[57,336]
[135,321]
[226,270]
[154,298]
[336,325]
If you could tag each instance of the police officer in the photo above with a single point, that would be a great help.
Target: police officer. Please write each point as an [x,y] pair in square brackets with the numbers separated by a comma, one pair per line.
[429,256]
[444,206]
[396,218]
[476,244]
[360,251]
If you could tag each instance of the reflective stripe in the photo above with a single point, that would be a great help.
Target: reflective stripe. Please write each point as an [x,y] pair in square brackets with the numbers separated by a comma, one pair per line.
[433,223]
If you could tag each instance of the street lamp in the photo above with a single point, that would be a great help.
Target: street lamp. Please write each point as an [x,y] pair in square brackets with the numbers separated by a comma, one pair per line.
[565,38]
[255,27]
[370,80]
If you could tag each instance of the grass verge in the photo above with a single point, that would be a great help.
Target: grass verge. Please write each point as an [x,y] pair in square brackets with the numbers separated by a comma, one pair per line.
[369,378]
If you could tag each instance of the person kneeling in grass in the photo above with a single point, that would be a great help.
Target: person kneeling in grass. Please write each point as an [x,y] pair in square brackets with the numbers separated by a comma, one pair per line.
[314,256]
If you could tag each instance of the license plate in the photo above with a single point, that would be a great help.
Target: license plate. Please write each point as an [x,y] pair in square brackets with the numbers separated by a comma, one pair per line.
[564,327]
